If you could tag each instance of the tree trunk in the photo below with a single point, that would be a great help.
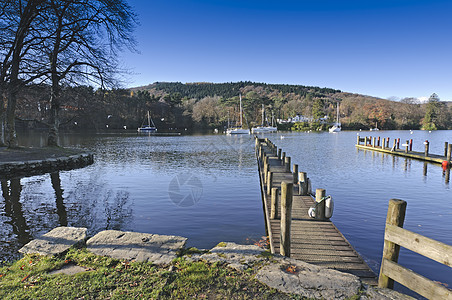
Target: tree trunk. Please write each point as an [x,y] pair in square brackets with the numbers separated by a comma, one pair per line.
[11,137]
[52,139]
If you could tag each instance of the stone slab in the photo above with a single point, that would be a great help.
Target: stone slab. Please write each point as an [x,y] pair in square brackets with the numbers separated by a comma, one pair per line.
[236,256]
[56,241]
[310,281]
[135,246]
[70,270]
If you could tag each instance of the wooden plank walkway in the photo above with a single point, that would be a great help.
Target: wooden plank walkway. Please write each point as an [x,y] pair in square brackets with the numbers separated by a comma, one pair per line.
[313,241]
[434,158]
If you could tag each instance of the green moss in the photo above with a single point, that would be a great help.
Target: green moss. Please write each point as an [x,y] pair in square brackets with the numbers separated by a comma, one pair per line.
[221,244]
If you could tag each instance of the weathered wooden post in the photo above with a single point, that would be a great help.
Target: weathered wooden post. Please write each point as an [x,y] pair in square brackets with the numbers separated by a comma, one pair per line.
[449,152]
[374,142]
[407,145]
[320,208]
[426,147]
[398,143]
[269,181]
[274,203]
[395,144]
[295,173]
[357,139]
[446,144]
[303,183]
[286,217]
[395,216]
[378,142]
[365,141]
[279,154]
[287,163]
[265,169]
[283,158]
[411,144]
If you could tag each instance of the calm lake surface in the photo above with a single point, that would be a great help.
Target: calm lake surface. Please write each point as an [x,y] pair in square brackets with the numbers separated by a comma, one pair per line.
[206,188]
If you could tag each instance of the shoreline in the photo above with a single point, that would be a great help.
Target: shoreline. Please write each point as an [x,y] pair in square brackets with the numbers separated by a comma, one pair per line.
[24,162]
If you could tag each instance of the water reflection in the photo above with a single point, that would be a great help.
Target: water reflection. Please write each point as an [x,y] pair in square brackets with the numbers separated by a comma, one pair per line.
[407,163]
[61,208]
[14,211]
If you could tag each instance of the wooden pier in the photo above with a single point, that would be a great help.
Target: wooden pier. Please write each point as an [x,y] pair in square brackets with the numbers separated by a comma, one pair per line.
[373,143]
[315,241]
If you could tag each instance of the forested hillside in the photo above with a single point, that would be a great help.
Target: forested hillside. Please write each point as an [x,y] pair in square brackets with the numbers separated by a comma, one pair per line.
[211,105]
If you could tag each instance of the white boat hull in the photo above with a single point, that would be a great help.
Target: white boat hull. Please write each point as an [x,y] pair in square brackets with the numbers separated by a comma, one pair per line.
[264,129]
[237,131]
[335,129]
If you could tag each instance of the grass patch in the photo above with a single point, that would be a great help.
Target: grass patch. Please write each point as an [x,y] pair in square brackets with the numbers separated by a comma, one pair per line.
[110,278]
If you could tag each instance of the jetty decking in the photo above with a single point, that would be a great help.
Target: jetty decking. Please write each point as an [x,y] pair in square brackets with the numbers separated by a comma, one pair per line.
[314,241]
[373,144]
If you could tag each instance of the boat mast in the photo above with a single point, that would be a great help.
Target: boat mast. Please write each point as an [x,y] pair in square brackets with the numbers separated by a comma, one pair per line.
[149,119]
[337,117]
[241,124]
[262,114]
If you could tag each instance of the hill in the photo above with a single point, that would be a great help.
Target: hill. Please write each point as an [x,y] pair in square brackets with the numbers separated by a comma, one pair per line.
[204,105]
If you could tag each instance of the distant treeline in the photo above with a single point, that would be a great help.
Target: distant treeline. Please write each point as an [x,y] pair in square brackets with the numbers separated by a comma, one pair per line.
[214,105]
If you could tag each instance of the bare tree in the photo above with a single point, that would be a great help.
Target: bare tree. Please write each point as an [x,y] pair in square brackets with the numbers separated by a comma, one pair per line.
[60,42]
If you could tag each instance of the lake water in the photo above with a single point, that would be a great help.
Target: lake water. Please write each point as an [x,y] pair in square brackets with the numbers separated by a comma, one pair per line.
[206,188]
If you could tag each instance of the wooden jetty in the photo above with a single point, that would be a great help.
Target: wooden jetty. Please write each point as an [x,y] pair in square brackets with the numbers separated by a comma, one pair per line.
[373,143]
[290,229]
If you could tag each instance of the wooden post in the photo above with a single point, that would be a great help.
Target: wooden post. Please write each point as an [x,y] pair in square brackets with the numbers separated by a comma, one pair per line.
[411,144]
[269,181]
[426,147]
[265,169]
[378,142]
[395,144]
[449,152]
[287,163]
[295,173]
[374,142]
[398,143]
[303,183]
[283,157]
[395,216]
[365,141]
[286,217]
[279,154]
[357,140]
[407,146]
[274,203]
[320,209]
[446,144]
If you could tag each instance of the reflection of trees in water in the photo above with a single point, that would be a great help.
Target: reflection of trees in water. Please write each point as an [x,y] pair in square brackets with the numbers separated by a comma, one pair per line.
[61,208]
[18,232]
[95,205]
[88,202]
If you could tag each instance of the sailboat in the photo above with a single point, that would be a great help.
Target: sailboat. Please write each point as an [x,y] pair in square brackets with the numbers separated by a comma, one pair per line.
[148,127]
[337,126]
[238,130]
[376,127]
[262,128]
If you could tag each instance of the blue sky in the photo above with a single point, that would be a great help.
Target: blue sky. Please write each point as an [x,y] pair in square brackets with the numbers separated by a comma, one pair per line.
[381,48]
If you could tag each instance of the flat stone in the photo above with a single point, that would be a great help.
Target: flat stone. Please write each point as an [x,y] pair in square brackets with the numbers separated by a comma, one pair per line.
[70,270]
[158,249]
[239,257]
[56,241]
[310,281]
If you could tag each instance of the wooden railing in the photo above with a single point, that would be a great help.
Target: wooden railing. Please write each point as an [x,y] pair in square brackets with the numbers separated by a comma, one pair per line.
[396,237]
